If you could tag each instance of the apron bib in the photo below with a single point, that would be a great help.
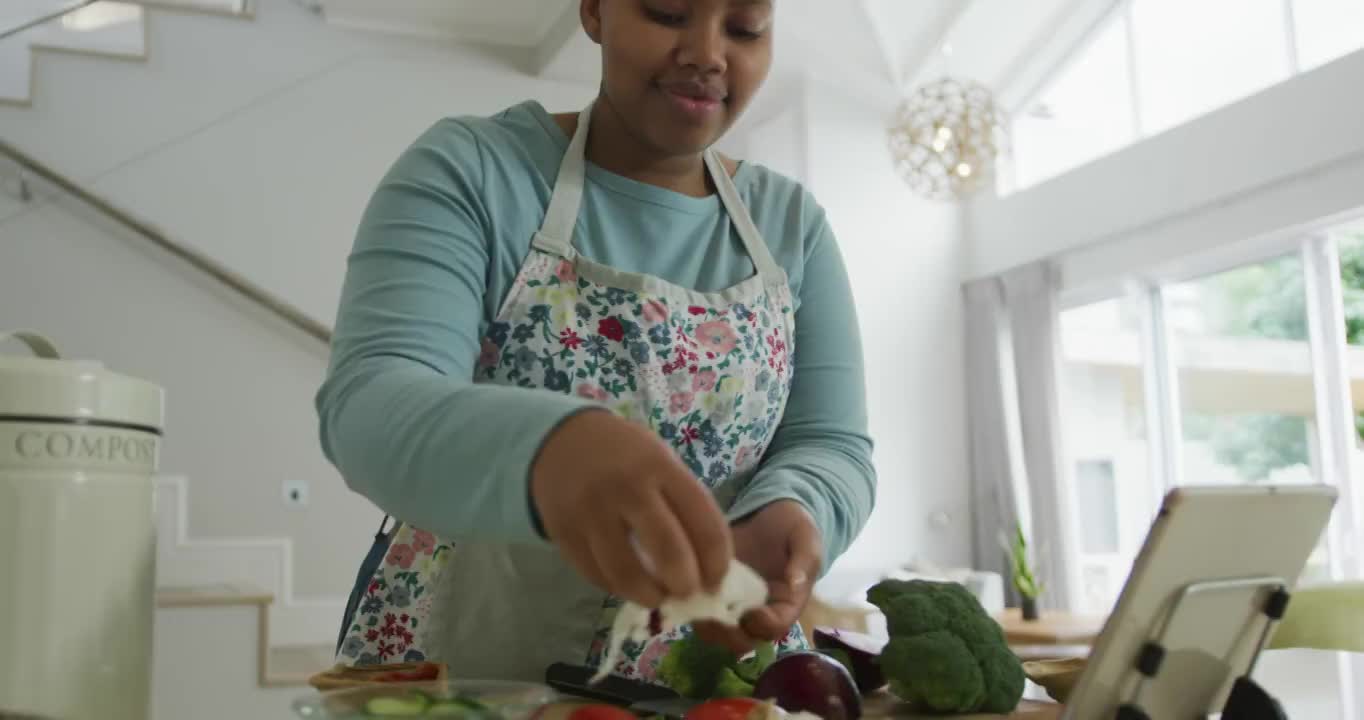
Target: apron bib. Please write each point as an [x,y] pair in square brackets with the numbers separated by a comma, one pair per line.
[709,372]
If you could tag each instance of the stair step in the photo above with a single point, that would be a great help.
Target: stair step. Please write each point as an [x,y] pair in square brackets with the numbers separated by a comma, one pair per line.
[233,8]
[107,29]
[283,666]
[216,595]
[110,28]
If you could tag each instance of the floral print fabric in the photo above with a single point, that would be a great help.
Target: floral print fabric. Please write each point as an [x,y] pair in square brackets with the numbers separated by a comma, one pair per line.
[710,374]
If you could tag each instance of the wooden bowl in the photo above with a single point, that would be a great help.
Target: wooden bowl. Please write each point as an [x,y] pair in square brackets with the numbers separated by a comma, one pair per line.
[1057,676]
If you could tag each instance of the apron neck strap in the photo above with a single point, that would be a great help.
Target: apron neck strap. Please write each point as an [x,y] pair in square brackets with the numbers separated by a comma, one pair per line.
[556,232]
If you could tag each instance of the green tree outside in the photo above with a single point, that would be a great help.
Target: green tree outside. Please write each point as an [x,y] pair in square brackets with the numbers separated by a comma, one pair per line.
[1269,301]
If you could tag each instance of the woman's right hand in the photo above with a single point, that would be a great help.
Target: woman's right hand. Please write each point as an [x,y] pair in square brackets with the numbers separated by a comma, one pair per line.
[598,480]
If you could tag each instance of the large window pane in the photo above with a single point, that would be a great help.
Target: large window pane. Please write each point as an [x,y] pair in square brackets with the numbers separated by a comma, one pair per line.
[1349,241]
[1245,374]
[1244,365]
[1104,418]
[1197,55]
[1239,342]
[1327,29]
[1085,112]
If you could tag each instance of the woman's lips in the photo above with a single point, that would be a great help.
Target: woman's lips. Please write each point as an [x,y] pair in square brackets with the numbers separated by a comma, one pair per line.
[695,102]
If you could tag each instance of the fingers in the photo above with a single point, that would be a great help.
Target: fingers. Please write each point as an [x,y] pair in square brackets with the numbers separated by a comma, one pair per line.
[706,528]
[771,622]
[666,544]
[733,639]
[806,556]
[788,594]
[622,569]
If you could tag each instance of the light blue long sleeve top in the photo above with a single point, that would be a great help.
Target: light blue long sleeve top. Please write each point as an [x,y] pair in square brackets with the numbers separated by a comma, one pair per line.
[437,250]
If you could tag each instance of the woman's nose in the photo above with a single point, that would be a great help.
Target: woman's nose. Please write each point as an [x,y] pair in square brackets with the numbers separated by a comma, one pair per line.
[703,47]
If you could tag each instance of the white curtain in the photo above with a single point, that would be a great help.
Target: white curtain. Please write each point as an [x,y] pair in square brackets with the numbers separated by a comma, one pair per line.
[995,463]
[1030,294]
[1017,461]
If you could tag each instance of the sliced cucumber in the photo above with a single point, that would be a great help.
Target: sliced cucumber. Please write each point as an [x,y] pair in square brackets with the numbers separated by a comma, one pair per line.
[413,705]
[458,707]
[452,710]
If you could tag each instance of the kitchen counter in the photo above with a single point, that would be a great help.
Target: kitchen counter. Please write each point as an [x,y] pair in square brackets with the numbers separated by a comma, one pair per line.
[884,705]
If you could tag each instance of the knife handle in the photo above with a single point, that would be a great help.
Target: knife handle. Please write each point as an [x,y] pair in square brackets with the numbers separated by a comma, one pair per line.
[616,690]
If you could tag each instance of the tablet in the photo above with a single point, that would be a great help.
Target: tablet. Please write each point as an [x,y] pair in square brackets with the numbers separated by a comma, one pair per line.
[1224,533]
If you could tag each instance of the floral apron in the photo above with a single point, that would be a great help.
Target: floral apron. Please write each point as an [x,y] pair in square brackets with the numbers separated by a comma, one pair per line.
[709,372]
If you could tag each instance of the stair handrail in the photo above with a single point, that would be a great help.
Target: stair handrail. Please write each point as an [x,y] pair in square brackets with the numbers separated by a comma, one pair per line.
[198,260]
[45,17]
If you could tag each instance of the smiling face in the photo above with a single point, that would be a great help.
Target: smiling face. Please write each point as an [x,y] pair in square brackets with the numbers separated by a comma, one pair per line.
[679,73]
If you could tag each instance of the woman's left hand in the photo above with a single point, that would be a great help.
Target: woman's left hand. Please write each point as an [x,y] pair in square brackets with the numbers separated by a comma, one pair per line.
[782,544]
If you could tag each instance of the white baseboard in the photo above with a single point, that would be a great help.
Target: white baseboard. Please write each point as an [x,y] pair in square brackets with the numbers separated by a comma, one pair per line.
[266,563]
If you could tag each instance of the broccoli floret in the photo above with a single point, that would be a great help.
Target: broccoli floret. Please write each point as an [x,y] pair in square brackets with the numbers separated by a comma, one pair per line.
[935,670]
[945,653]
[702,671]
[732,686]
[1005,678]
[693,668]
[752,667]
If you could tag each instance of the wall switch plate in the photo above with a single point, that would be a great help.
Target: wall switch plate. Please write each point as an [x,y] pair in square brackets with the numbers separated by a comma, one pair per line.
[295,494]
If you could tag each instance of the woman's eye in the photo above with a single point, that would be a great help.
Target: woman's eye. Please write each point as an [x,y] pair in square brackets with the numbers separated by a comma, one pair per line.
[745,33]
[665,18]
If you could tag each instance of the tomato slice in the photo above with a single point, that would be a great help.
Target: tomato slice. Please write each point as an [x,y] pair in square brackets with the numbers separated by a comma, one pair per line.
[425,672]
[733,709]
[602,712]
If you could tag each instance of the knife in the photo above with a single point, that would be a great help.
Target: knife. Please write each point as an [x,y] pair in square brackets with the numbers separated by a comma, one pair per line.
[672,708]
[616,690]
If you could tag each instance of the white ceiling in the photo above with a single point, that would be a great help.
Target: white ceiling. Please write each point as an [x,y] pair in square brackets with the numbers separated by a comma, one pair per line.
[877,46]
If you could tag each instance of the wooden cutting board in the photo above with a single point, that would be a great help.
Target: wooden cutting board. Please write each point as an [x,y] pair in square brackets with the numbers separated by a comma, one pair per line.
[884,705]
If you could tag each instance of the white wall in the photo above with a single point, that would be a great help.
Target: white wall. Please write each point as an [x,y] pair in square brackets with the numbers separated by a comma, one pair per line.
[904,257]
[1289,155]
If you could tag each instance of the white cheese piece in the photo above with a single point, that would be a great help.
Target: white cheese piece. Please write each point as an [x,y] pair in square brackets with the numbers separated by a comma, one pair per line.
[743,589]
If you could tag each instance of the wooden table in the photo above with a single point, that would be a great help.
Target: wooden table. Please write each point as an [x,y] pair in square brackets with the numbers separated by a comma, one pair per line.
[1052,628]
[885,705]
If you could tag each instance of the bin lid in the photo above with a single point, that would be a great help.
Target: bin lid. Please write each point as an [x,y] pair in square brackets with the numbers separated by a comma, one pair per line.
[43,387]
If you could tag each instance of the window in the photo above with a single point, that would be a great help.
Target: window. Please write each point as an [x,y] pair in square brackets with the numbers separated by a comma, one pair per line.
[1154,64]
[1187,62]
[1097,494]
[1104,416]
[1244,368]
[1229,368]
[1084,113]
[1327,29]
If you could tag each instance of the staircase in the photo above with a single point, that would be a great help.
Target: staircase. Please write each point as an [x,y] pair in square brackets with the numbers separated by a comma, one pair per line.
[98,28]
[232,637]
[183,561]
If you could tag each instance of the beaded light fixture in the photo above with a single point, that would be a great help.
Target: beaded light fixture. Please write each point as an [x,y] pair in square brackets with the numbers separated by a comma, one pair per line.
[947,137]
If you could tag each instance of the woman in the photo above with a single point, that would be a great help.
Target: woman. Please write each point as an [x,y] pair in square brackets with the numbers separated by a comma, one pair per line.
[582,365]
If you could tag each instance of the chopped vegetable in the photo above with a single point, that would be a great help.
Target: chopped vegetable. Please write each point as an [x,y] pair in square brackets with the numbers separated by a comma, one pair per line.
[735,709]
[692,667]
[410,705]
[811,682]
[945,653]
[752,667]
[731,685]
[418,704]
[698,670]
[857,652]
[602,712]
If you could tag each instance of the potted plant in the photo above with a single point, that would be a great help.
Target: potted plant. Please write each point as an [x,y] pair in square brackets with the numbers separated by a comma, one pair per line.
[1023,574]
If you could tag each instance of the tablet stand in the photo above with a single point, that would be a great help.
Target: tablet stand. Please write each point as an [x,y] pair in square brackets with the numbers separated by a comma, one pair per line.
[1247,701]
